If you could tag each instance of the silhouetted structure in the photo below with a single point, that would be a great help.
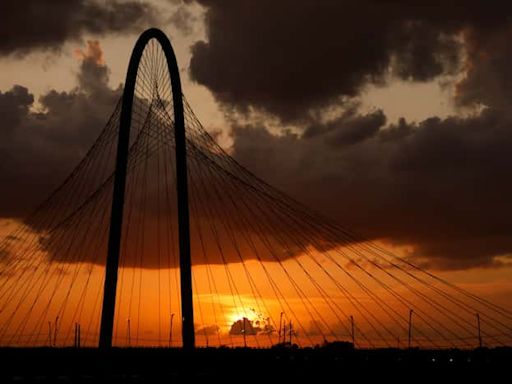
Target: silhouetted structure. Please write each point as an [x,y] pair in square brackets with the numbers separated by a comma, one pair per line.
[116,221]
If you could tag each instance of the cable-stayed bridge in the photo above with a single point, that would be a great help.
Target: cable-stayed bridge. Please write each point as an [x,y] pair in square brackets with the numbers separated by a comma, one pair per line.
[159,238]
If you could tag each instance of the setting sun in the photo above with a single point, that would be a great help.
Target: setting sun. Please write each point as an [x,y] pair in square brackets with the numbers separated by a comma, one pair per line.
[238,314]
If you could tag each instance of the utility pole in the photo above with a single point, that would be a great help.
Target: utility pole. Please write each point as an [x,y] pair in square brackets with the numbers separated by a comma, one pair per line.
[353,330]
[290,330]
[50,333]
[410,327]
[243,331]
[128,334]
[55,328]
[479,330]
[170,331]
[77,335]
[280,326]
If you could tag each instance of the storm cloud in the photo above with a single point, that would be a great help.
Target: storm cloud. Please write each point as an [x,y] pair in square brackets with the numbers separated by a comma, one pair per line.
[38,148]
[440,185]
[289,58]
[45,25]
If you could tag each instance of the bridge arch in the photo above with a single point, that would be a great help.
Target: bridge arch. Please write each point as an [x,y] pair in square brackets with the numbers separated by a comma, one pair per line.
[116,220]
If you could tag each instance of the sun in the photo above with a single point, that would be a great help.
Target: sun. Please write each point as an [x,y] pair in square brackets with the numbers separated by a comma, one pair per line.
[238,314]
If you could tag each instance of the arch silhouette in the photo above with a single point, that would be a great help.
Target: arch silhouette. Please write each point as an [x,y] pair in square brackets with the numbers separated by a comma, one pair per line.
[116,219]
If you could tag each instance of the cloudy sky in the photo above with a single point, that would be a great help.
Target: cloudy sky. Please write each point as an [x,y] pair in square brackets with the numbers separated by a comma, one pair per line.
[392,117]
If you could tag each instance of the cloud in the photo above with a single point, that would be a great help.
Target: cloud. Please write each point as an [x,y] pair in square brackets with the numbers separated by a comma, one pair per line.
[31,24]
[290,58]
[14,106]
[350,128]
[183,18]
[38,148]
[487,76]
[251,327]
[16,237]
[439,185]
[242,326]
[208,330]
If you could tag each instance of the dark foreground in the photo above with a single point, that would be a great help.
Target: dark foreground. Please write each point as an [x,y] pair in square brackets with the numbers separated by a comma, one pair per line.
[320,365]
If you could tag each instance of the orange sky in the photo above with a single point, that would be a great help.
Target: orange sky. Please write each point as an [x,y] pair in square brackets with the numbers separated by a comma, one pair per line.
[225,294]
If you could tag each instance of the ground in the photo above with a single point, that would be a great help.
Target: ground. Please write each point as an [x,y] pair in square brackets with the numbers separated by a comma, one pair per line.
[335,364]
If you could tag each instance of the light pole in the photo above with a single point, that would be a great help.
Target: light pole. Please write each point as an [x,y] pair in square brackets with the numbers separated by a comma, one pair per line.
[280,326]
[170,331]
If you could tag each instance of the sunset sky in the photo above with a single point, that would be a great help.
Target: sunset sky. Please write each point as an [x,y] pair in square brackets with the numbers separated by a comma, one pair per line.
[393,118]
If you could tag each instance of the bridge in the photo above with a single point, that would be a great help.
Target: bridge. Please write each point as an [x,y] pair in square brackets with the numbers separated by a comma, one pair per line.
[158,237]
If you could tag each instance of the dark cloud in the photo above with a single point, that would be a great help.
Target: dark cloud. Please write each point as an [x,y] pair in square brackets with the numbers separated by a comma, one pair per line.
[14,105]
[31,24]
[440,185]
[242,326]
[422,51]
[251,327]
[208,330]
[39,151]
[38,148]
[290,57]
[351,128]
[488,78]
